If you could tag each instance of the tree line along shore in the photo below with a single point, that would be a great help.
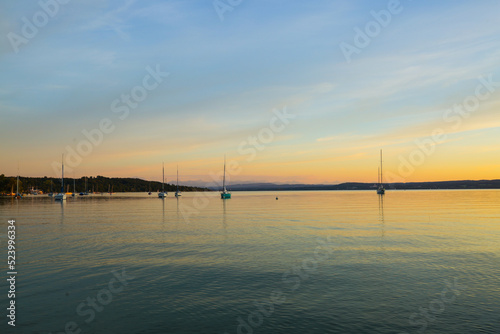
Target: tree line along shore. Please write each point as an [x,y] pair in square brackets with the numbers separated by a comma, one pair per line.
[98,184]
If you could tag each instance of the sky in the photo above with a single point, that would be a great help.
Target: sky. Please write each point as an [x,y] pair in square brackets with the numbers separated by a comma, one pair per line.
[187,82]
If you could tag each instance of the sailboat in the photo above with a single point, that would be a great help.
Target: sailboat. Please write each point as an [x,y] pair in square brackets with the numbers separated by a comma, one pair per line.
[51,194]
[178,193]
[85,193]
[18,195]
[163,194]
[224,194]
[380,188]
[62,195]
[74,187]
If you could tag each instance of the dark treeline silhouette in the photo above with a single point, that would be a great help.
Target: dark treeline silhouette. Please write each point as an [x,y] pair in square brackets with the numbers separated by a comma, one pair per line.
[96,184]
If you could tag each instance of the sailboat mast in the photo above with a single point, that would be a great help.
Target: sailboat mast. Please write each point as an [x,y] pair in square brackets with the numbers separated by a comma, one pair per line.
[62,174]
[381,169]
[224,179]
[163,180]
[17,187]
[177,178]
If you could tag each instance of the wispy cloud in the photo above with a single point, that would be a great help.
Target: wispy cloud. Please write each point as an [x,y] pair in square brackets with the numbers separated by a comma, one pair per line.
[227,77]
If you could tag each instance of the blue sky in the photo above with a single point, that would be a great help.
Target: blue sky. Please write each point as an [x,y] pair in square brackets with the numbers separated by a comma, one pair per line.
[227,76]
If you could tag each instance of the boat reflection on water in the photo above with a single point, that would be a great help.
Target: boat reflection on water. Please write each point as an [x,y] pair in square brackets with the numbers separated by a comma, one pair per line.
[381,219]
[224,218]
[62,204]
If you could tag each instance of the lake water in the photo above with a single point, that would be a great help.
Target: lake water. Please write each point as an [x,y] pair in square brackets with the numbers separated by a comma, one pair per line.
[309,262]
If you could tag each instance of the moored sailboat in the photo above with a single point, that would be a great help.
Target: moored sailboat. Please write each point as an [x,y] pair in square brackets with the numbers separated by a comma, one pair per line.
[224,193]
[18,195]
[162,194]
[86,192]
[380,188]
[51,194]
[177,192]
[62,195]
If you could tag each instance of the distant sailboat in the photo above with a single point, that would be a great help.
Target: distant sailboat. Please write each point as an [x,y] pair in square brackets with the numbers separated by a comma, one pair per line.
[74,187]
[224,194]
[61,196]
[380,188]
[18,195]
[51,194]
[178,193]
[85,193]
[163,194]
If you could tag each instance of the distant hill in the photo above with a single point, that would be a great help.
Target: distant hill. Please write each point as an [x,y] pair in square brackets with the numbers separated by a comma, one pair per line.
[466,184]
[102,184]
[98,184]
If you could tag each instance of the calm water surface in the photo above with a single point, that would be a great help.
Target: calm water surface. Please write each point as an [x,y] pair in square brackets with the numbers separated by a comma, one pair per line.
[310,262]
